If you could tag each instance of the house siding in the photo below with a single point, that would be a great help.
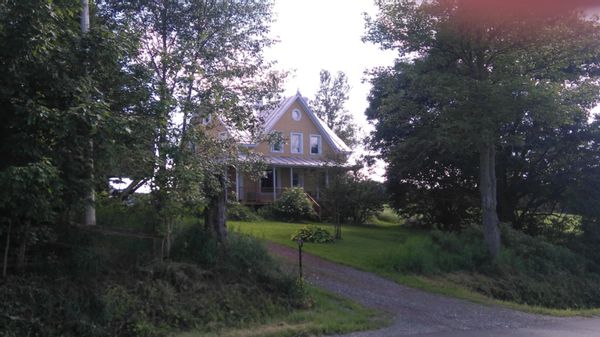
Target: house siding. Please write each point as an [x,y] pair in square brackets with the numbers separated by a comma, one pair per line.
[287,125]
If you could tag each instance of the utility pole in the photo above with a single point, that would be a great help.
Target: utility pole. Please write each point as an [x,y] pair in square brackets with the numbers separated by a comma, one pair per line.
[90,202]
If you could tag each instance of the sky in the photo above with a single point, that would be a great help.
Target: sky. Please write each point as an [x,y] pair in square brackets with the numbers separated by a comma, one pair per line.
[326,34]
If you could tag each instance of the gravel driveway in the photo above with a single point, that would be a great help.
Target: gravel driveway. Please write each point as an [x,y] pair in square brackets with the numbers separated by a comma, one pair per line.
[420,313]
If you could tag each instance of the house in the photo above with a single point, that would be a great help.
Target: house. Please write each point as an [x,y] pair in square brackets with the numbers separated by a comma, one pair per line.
[303,159]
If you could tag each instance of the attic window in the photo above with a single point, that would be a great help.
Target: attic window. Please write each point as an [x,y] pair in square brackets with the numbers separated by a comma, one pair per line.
[296,115]
[206,120]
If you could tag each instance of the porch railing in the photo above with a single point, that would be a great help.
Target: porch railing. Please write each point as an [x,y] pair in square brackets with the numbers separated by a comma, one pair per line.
[315,204]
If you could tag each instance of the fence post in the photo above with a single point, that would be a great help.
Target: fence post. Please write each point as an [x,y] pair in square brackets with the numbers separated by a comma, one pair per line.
[300,243]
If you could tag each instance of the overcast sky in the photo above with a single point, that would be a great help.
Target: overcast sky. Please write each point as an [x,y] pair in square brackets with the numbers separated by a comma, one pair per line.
[326,34]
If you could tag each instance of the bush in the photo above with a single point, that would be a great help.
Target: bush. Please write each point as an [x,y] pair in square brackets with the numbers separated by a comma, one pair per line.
[417,255]
[204,288]
[388,215]
[239,212]
[134,215]
[528,270]
[266,212]
[194,244]
[353,199]
[293,206]
[312,234]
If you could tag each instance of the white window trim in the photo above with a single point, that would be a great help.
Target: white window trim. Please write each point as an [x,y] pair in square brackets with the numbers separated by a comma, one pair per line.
[320,145]
[301,142]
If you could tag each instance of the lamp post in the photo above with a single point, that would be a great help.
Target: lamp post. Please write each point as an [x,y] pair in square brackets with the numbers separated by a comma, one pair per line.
[300,243]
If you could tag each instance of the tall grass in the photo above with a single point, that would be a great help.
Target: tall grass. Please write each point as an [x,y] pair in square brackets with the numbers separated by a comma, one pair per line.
[528,270]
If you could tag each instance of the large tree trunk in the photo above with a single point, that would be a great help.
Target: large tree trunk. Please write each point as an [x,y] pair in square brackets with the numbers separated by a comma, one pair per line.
[215,217]
[507,201]
[487,188]
[90,205]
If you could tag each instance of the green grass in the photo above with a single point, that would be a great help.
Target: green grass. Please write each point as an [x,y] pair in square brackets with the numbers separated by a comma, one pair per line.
[360,245]
[330,314]
[369,248]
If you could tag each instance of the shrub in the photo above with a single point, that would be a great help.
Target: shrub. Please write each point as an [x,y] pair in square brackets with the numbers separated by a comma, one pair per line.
[353,198]
[293,206]
[266,212]
[134,215]
[312,234]
[239,212]
[248,256]
[388,215]
[230,287]
[528,270]
[417,255]
[463,250]
[194,244]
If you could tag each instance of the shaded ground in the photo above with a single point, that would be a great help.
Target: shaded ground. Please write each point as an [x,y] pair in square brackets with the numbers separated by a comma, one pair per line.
[416,312]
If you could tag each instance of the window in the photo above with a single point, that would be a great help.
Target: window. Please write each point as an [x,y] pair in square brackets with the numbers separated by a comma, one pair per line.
[315,144]
[223,135]
[277,147]
[206,120]
[296,115]
[276,142]
[295,142]
[266,182]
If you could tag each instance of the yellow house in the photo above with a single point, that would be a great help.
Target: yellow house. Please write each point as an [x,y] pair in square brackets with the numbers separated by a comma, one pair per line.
[309,148]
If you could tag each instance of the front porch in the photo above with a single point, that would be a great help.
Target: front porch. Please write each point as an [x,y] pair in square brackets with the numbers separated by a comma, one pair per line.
[276,179]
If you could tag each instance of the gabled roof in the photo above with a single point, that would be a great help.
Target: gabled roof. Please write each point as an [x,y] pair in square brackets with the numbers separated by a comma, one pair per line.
[274,115]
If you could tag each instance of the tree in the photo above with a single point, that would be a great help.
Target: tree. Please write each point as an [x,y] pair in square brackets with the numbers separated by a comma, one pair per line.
[351,198]
[30,193]
[206,59]
[52,107]
[466,73]
[329,105]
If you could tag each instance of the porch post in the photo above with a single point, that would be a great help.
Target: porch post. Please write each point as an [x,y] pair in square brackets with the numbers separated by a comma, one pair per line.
[291,176]
[318,185]
[274,184]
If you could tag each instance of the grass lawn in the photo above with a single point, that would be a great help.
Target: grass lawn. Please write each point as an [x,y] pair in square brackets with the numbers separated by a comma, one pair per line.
[329,315]
[370,247]
[360,246]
